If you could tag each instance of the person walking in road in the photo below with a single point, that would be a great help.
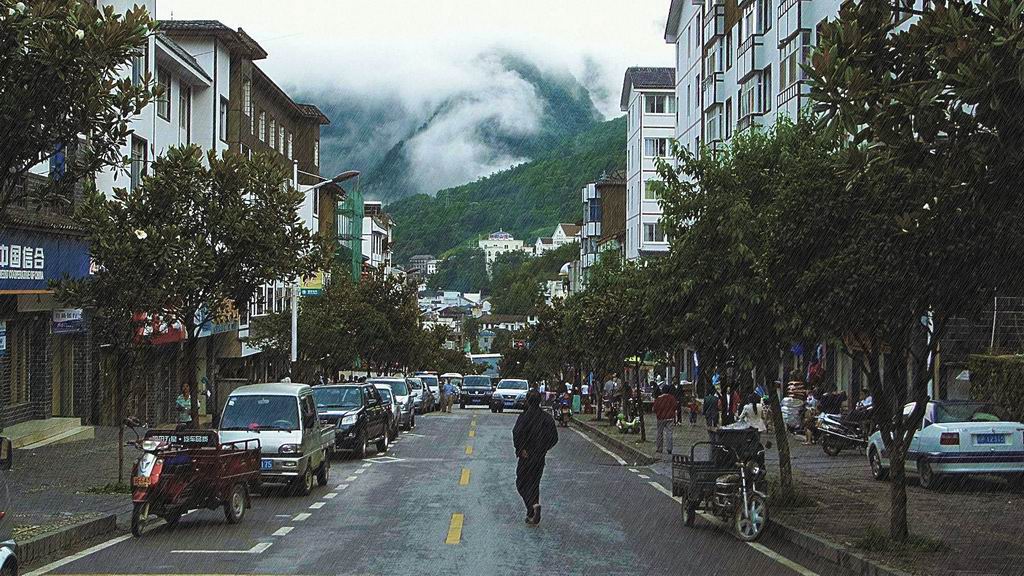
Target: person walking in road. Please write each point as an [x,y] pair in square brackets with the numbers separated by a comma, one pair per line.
[679,393]
[665,411]
[449,390]
[711,409]
[533,436]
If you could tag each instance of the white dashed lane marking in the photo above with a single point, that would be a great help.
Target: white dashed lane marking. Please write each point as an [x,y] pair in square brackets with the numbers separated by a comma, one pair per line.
[283,531]
[317,505]
[301,517]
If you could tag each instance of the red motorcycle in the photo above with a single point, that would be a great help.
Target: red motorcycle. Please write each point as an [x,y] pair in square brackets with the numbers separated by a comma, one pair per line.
[183,470]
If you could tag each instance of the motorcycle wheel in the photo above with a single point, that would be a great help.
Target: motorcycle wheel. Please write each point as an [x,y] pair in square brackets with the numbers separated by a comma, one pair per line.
[140,511]
[234,508]
[831,447]
[749,524]
[689,511]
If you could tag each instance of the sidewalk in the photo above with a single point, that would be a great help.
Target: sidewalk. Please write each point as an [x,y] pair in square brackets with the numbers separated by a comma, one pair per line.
[971,527]
[50,486]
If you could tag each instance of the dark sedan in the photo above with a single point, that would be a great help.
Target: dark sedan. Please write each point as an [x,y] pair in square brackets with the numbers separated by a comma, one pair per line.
[476,390]
[358,414]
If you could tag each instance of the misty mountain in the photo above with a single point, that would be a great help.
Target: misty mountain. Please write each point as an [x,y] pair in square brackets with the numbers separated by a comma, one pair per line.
[527,200]
[507,112]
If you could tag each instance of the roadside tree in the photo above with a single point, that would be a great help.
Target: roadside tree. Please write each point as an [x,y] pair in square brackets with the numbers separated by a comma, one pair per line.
[204,234]
[62,97]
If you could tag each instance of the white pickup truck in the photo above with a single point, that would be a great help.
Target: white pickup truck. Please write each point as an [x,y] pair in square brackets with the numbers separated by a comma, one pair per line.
[295,445]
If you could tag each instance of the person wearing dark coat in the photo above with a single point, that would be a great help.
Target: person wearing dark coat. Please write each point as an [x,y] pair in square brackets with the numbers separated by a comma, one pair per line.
[533,435]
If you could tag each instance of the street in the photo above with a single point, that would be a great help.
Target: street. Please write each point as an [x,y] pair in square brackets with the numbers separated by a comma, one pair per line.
[394,515]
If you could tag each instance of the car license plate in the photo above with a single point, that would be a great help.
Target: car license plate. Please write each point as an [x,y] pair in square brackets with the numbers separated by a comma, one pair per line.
[140,481]
[991,439]
[266,464]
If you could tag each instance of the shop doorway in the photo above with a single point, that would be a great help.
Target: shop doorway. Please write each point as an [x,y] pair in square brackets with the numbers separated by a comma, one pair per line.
[63,378]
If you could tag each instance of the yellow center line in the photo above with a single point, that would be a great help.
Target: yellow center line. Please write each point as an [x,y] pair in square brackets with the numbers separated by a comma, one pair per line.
[469,450]
[472,433]
[464,479]
[455,529]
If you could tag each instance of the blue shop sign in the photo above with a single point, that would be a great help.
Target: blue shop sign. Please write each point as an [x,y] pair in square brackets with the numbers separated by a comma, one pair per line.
[29,259]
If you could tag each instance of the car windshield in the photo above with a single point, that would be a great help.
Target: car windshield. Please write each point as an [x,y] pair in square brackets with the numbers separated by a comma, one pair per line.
[261,413]
[399,387]
[415,383]
[349,397]
[430,380]
[513,385]
[385,393]
[477,382]
[968,412]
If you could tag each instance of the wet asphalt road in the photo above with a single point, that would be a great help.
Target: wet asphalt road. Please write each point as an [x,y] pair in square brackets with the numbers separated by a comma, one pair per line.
[399,515]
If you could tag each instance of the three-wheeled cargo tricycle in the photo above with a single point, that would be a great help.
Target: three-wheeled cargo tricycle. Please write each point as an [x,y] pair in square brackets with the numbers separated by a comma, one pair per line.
[183,470]
[726,477]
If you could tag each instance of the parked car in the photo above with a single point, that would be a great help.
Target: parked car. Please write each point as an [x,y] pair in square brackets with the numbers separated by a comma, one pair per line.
[403,395]
[476,389]
[358,414]
[295,446]
[434,385]
[957,438]
[510,393]
[422,399]
[8,559]
[394,410]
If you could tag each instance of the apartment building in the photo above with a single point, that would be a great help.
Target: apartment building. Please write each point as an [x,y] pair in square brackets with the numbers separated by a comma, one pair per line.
[649,99]
[377,237]
[604,224]
[500,242]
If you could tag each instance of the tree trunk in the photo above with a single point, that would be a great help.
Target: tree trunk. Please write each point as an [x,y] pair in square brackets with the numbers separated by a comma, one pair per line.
[191,347]
[124,370]
[898,530]
[781,442]
[639,405]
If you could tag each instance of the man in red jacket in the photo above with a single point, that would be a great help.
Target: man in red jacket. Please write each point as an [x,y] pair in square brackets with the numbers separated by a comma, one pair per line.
[665,410]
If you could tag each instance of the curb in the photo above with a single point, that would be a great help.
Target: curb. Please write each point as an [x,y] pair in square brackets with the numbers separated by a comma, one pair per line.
[630,453]
[834,553]
[57,541]
[814,545]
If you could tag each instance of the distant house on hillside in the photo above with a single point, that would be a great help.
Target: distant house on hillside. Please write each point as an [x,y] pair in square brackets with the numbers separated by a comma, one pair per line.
[425,263]
[510,322]
[500,242]
[564,234]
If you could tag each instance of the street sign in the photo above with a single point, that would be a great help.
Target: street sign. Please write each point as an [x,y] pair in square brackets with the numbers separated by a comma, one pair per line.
[3,337]
[313,285]
[67,321]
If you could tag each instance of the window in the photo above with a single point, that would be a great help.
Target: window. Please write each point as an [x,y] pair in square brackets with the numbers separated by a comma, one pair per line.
[655,147]
[138,67]
[247,97]
[247,152]
[654,232]
[651,190]
[283,142]
[291,151]
[687,99]
[696,86]
[138,162]
[764,12]
[163,104]
[659,104]
[595,210]
[728,50]
[748,99]
[272,137]
[316,153]
[791,56]
[728,118]
[223,119]
[766,88]
[316,203]
[185,110]
[262,132]
[713,62]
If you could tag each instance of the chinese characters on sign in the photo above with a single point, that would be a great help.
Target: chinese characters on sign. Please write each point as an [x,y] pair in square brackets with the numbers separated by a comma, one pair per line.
[19,262]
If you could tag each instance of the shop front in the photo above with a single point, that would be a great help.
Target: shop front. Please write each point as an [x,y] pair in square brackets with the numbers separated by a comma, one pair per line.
[45,348]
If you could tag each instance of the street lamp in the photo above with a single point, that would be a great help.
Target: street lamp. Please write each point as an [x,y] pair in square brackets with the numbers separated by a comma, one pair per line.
[343,176]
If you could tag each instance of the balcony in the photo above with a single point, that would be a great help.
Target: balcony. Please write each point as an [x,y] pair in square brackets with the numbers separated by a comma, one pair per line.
[711,94]
[789,20]
[747,57]
[714,22]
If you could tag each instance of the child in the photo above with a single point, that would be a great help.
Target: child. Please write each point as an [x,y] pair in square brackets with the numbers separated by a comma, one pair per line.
[694,409]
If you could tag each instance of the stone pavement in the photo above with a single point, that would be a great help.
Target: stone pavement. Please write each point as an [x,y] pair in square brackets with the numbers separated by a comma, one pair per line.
[977,521]
[49,486]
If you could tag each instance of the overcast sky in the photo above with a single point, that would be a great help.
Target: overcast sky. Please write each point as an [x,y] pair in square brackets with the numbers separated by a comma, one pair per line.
[414,49]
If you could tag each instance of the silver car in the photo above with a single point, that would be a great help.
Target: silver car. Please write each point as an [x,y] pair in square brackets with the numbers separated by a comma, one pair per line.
[403,395]
[394,410]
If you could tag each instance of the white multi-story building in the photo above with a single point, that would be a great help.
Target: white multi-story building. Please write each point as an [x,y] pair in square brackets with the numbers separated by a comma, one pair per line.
[649,98]
[377,229]
[734,73]
[500,242]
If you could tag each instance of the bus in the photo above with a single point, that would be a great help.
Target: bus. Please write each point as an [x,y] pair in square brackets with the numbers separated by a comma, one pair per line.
[489,361]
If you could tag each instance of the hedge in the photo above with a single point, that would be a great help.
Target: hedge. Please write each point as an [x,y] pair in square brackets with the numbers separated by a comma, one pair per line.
[999,379]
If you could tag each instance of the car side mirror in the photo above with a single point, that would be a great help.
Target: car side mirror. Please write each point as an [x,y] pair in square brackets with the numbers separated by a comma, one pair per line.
[6,453]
